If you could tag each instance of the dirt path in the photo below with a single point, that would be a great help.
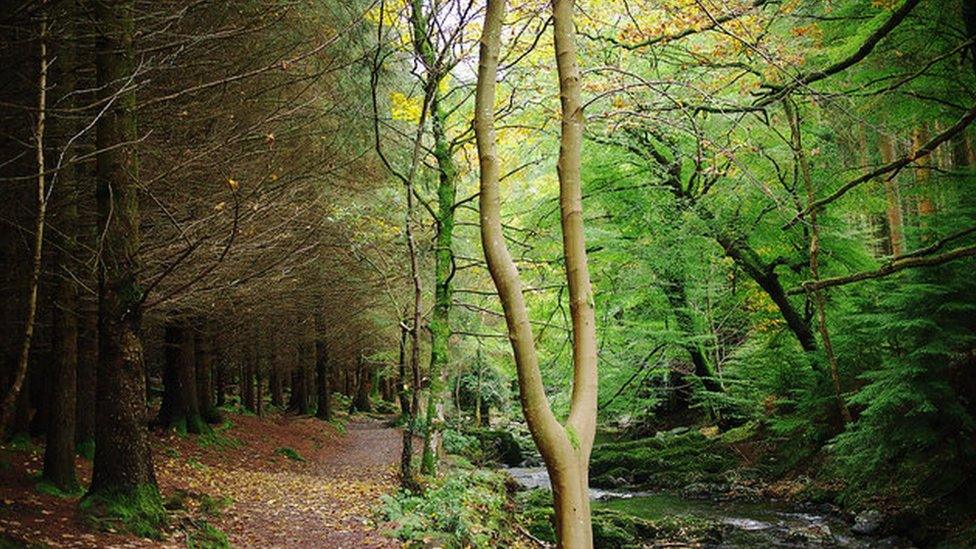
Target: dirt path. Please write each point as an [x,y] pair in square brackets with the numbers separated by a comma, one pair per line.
[327,502]
[323,495]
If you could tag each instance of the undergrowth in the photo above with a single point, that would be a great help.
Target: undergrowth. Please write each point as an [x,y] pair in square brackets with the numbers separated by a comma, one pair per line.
[139,511]
[465,508]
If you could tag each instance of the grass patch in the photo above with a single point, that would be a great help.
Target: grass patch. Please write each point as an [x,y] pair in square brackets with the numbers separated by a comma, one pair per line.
[289,453]
[213,507]
[139,511]
[218,438]
[47,488]
[200,534]
[22,442]
[339,425]
[86,449]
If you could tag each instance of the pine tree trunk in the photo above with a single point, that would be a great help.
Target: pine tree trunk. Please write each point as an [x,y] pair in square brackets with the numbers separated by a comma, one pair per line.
[204,371]
[59,451]
[324,410]
[85,382]
[123,457]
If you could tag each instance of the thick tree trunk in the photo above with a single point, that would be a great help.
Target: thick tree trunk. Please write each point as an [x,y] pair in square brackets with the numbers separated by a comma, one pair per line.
[204,371]
[85,382]
[565,448]
[59,450]
[364,386]
[123,457]
[180,409]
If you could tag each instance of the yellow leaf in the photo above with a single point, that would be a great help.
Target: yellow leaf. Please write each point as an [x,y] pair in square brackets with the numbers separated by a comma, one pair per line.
[233,184]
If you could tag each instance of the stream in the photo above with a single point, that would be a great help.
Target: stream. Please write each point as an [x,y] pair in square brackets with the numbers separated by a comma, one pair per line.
[752,524]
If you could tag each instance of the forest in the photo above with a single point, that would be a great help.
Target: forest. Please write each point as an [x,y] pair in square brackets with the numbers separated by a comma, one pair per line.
[487,273]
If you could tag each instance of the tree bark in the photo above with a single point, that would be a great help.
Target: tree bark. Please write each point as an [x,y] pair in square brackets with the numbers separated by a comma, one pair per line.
[203,344]
[123,457]
[20,373]
[324,405]
[180,409]
[818,294]
[565,449]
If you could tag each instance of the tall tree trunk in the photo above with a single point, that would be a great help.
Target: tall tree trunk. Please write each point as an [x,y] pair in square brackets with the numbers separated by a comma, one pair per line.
[203,345]
[123,457]
[896,223]
[440,328]
[59,450]
[85,382]
[20,373]
[818,295]
[275,375]
[564,448]
[324,409]
[364,386]
[180,409]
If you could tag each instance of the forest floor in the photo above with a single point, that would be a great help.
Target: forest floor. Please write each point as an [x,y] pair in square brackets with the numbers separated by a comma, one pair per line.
[279,481]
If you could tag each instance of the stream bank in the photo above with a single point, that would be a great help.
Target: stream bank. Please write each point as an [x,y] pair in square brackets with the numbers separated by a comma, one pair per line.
[709,521]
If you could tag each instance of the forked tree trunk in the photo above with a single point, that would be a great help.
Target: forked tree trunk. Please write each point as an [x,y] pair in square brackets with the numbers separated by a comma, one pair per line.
[564,448]
[123,457]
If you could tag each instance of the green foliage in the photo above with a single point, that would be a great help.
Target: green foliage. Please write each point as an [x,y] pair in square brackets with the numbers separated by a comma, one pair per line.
[465,508]
[614,529]
[45,487]
[86,449]
[139,511]
[203,535]
[461,444]
[663,461]
[218,437]
[22,442]
[289,453]
[915,434]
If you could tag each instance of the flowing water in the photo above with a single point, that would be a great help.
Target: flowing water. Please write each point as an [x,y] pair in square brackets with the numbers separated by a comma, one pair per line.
[752,524]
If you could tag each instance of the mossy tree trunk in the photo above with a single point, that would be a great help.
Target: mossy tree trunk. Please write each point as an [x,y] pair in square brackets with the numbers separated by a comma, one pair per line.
[440,328]
[123,461]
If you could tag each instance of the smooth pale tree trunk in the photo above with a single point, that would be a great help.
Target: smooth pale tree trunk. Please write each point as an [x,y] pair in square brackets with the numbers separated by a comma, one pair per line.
[123,457]
[565,448]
